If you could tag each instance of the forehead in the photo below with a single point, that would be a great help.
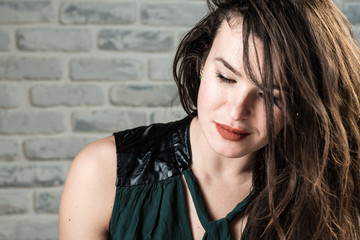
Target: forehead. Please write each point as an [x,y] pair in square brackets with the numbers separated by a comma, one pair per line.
[229,45]
[228,38]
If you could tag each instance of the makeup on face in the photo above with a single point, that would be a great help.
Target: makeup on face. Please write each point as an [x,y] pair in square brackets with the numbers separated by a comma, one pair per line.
[231,107]
[231,134]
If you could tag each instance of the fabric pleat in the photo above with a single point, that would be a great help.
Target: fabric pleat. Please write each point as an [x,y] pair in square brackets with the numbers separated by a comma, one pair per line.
[214,230]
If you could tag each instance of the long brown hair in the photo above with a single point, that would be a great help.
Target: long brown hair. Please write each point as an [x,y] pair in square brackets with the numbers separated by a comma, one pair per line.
[307,179]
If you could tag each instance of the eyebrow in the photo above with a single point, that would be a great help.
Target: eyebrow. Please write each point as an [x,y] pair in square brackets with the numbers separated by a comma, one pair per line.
[231,68]
[227,65]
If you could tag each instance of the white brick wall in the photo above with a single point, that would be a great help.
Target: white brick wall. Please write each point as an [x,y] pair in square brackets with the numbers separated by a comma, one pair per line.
[73,71]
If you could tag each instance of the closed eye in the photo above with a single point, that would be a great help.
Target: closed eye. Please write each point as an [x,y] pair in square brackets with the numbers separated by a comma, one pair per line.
[224,79]
[277,100]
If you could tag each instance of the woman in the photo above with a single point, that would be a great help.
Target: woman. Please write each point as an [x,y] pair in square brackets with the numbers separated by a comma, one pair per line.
[270,149]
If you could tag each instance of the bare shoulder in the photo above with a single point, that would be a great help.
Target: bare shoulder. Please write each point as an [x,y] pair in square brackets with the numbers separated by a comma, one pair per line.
[100,152]
[89,192]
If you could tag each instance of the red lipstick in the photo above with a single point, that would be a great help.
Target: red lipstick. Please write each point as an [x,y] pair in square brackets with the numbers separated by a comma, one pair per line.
[229,133]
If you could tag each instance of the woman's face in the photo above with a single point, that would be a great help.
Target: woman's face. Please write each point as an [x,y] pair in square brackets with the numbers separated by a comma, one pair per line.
[231,109]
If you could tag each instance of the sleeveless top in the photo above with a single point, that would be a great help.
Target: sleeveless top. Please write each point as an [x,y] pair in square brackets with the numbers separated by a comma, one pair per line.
[150,201]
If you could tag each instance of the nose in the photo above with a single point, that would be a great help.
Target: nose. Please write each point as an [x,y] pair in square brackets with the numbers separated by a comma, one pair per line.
[242,103]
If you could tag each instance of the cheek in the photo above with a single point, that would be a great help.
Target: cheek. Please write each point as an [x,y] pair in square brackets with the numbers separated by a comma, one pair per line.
[208,96]
[202,98]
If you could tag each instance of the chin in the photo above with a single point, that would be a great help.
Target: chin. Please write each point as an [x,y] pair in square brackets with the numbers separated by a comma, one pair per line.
[230,153]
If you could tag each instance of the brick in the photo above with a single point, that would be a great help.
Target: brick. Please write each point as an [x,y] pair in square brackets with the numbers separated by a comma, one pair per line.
[9,96]
[4,41]
[107,120]
[68,95]
[167,115]
[357,33]
[30,68]
[15,201]
[51,174]
[17,175]
[339,4]
[47,200]
[8,150]
[160,69]
[143,95]
[54,148]
[98,13]
[50,39]
[29,228]
[180,35]
[352,12]
[26,12]
[172,13]
[136,40]
[32,175]
[106,69]
[31,122]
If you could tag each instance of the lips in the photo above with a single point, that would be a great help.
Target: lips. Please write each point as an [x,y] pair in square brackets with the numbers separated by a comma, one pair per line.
[229,133]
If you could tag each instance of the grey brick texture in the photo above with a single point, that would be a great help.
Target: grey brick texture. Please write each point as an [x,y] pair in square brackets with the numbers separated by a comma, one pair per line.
[106,69]
[170,114]
[33,175]
[47,200]
[143,95]
[136,40]
[9,96]
[115,120]
[31,122]
[15,175]
[72,72]
[15,201]
[160,69]
[4,41]
[26,12]
[357,32]
[98,13]
[172,13]
[30,68]
[49,39]
[8,149]
[29,227]
[54,148]
[352,12]
[67,95]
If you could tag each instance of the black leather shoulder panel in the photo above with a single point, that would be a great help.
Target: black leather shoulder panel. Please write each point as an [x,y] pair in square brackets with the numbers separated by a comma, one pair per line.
[152,153]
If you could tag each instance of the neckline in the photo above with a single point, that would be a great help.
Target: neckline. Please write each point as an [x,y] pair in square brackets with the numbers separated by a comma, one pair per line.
[213,229]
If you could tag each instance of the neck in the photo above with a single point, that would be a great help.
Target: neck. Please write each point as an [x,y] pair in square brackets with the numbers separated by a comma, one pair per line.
[206,163]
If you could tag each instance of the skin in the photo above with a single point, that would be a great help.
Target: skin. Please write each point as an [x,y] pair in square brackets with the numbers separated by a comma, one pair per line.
[221,167]
[89,192]
[227,96]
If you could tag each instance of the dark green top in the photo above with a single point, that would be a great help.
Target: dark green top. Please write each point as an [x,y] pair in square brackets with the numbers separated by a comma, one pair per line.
[150,201]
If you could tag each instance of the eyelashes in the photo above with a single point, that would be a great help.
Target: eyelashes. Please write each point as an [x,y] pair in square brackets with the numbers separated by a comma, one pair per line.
[222,78]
